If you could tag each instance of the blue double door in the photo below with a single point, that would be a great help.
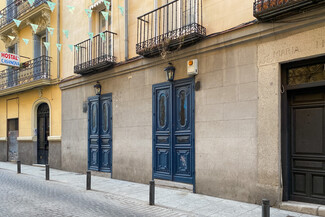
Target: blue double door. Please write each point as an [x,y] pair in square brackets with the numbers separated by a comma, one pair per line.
[100,133]
[173,131]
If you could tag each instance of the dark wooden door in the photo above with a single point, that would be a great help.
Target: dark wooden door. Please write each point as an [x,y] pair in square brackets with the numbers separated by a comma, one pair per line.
[100,133]
[307,145]
[43,131]
[173,131]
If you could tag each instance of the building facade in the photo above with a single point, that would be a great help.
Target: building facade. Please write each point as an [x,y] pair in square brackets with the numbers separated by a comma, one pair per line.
[241,118]
[30,98]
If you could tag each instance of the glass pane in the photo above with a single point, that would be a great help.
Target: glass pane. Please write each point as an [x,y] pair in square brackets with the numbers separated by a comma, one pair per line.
[183,107]
[162,110]
[93,117]
[306,74]
[105,117]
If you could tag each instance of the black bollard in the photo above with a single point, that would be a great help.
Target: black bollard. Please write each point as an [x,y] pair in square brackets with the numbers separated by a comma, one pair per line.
[47,172]
[88,180]
[265,208]
[18,166]
[152,192]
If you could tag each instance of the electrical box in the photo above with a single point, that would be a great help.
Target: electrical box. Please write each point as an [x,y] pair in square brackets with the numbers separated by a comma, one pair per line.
[192,67]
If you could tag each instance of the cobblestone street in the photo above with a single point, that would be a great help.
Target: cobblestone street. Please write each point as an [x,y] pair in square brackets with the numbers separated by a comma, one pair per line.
[24,195]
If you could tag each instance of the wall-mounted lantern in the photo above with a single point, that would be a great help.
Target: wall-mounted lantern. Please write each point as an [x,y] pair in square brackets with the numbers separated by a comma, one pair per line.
[170,72]
[98,88]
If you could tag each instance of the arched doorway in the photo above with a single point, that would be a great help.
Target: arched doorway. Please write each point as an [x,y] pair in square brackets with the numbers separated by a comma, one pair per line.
[43,129]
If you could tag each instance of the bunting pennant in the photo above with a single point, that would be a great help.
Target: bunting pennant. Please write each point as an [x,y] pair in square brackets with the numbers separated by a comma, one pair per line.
[59,46]
[47,45]
[102,36]
[105,14]
[93,1]
[1,16]
[70,47]
[71,8]
[121,9]
[66,33]
[107,4]
[31,2]
[11,37]
[50,30]
[17,22]
[51,5]
[25,40]
[88,12]
[34,27]
[91,35]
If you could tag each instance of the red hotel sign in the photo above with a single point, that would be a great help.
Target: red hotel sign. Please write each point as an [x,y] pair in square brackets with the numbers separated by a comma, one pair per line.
[9,59]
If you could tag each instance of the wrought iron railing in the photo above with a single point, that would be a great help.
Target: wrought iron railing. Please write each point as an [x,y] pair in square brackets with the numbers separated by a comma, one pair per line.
[96,54]
[32,70]
[16,9]
[268,9]
[176,24]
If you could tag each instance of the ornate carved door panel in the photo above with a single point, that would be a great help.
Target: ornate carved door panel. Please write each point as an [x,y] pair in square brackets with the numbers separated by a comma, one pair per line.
[100,133]
[173,131]
[43,131]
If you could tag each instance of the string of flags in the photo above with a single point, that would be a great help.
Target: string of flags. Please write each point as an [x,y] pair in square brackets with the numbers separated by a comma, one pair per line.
[66,32]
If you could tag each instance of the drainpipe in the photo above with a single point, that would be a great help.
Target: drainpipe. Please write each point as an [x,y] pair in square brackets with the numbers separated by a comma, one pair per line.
[126,17]
[58,38]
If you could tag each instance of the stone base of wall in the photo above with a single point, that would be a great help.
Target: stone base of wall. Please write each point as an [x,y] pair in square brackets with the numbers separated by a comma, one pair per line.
[55,154]
[3,151]
[27,152]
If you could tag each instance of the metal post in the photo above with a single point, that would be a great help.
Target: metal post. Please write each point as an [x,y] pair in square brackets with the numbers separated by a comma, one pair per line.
[88,180]
[18,166]
[152,192]
[47,172]
[265,208]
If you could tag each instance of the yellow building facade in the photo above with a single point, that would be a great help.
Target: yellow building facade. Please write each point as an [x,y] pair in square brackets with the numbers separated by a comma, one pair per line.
[30,99]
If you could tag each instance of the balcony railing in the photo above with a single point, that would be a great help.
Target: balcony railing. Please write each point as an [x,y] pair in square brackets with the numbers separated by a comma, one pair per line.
[172,26]
[95,55]
[271,9]
[33,70]
[16,9]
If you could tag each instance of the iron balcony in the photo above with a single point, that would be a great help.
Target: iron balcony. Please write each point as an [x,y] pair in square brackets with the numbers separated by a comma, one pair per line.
[95,55]
[273,9]
[16,9]
[28,73]
[170,27]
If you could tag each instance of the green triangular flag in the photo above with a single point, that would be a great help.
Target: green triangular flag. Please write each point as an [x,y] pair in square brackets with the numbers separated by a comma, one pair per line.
[105,14]
[1,16]
[11,37]
[34,27]
[107,4]
[66,33]
[88,12]
[31,2]
[17,22]
[91,35]
[59,46]
[51,5]
[121,9]
[102,36]
[71,8]
[93,1]
[71,47]
[50,30]
[47,45]
[25,40]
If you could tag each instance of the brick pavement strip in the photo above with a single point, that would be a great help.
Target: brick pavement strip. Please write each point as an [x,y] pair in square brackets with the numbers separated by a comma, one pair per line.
[24,195]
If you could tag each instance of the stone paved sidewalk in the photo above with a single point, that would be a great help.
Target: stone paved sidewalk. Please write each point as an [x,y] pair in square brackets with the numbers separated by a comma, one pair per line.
[194,204]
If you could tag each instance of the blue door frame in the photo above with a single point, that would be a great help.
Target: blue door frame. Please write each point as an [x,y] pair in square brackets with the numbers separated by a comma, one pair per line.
[100,133]
[173,136]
